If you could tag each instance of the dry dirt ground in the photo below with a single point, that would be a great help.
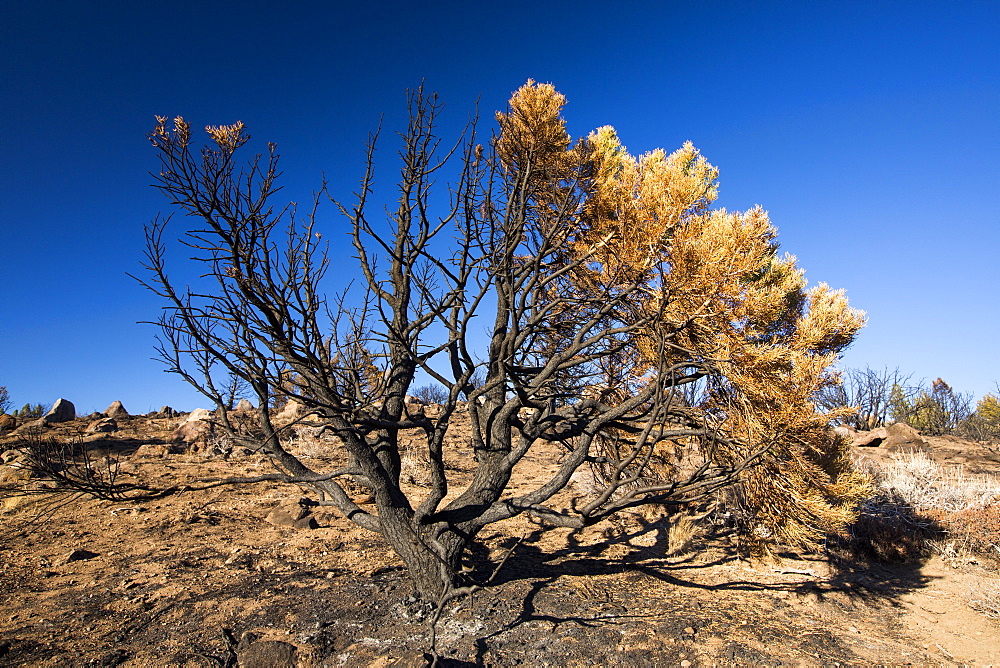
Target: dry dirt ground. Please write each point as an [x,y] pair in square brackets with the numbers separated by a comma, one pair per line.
[204,579]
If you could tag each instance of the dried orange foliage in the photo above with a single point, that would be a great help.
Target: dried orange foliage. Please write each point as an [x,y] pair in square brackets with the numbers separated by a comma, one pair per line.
[719,297]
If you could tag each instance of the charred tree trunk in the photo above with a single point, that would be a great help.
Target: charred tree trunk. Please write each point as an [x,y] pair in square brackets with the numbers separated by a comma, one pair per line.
[432,555]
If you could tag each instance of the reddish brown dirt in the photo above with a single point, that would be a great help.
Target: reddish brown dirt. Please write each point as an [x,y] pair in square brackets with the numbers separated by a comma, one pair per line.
[182,580]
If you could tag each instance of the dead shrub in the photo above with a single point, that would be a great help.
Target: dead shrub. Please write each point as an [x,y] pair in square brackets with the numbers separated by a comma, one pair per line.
[972,532]
[888,529]
[985,598]
[922,507]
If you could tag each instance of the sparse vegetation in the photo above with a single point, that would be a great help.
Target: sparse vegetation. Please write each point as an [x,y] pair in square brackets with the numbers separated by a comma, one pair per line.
[31,411]
[922,505]
[984,424]
[5,403]
[872,393]
[925,485]
[431,394]
[881,397]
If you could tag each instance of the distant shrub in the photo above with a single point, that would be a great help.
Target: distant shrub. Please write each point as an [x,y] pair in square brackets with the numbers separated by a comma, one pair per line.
[431,394]
[935,411]
[4,399]
[29,411]
[984,424]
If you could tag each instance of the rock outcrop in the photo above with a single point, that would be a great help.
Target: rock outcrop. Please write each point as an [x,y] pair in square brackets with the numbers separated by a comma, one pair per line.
[116,410]
[895,437]
[62,410]
[902,436]
[7,423]
[194,428]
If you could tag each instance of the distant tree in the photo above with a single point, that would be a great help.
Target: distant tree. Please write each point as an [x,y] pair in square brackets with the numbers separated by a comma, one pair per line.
[609,284]
[939,409]
[431,394]
[31,411]
[984,424]
[5,403]
[988,408]
[876,395]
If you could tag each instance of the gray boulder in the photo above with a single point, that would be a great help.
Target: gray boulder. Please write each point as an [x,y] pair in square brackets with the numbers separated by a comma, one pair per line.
[244,406]
[62,411]
[116,410]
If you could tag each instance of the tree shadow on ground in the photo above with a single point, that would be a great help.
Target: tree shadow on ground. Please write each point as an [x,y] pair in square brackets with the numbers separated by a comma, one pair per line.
[879,560]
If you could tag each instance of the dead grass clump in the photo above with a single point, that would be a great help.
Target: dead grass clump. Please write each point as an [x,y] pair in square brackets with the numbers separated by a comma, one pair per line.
[921,505]
[924,484]
[974,531]
[985,598]
[888,529]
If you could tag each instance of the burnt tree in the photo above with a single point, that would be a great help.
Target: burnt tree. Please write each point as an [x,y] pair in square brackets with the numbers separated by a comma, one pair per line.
[627,322]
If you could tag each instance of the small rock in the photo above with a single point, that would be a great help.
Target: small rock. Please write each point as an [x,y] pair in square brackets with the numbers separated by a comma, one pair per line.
[62,411]
[104,426]
[689,630]
[116,410]
[268,654]
[7,423]
[79,555]
[292,516]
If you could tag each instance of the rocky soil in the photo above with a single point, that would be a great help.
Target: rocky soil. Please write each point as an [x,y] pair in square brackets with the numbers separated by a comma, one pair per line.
[261,576]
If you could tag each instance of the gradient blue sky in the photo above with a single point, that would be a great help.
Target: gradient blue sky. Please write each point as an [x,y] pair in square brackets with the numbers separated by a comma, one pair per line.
[869,130]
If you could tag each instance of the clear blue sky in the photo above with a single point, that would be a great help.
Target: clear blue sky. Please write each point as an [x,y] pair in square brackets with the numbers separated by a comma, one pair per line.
[869,130]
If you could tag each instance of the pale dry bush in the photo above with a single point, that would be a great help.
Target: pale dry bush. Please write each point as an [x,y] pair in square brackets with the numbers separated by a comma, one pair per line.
[414,464]
[685,527]
[961,510]
[985,598]
[926,485]
[310,442]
